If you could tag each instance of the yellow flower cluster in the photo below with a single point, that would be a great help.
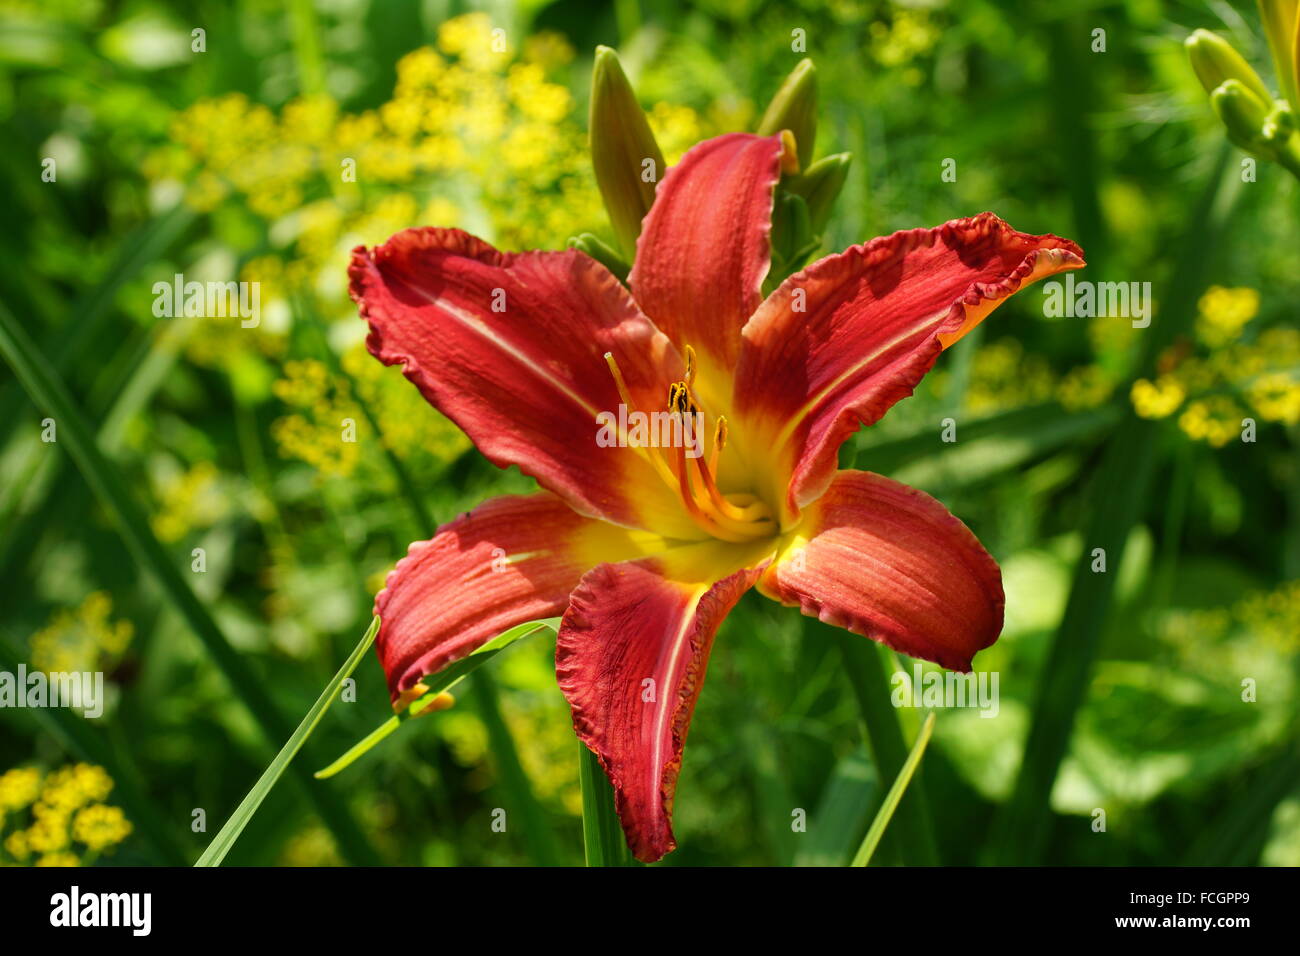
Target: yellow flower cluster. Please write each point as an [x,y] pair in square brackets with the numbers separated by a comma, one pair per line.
[910,34]
[66,808]
[191,500]
[1223,313]
[325,404]
[327,416]
[1004,376]
[81,639]
[1086,386]
[1270,619]
[1236,380]
[1216,420]
[1274,616]
[471,118]
[409,426]
[1158,399]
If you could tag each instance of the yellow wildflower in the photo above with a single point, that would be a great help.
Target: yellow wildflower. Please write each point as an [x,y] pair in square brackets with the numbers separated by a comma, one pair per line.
[1158,399]
[1276,397]
[19,788]
[80,640]
[1224,313]
[99,826]
[1216,420]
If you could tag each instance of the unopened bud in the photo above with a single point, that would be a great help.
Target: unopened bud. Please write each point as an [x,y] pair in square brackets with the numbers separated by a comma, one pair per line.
[794,107]
[1243,115]
[1215,61]
[820,186]
[624,153]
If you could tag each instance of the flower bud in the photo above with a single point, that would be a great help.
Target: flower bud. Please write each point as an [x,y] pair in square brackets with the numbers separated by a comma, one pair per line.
[593,246]
[794,107]
[820,186]
[624,153]
[1215,61]
[1282,27]
[1243,115]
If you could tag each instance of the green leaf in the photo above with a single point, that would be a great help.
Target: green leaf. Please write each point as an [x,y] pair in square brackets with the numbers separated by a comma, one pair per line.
[886,811]
[439,683]
[229,833]
[850,792]
[602,835]
[864,667]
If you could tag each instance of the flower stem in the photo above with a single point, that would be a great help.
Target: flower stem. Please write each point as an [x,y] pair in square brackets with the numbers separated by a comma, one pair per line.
[895,795]
[866,673]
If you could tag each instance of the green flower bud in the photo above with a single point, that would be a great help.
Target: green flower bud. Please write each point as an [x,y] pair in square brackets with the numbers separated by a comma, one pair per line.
[602,253]
[820,186]
[624,153]
[1282,27]
[794,107]
[1243,115]
[1215,61]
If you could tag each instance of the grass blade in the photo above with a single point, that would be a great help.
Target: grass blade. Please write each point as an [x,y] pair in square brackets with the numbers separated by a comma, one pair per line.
[229,833]
[895,795]
[602,835]
[866,673]
[50,394]
[439,683]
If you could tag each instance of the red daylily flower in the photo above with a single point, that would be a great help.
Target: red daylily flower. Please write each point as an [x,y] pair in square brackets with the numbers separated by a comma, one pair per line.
[645,550]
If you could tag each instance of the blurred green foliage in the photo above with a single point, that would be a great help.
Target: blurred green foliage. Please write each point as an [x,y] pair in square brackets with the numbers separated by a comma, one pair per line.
[230,164]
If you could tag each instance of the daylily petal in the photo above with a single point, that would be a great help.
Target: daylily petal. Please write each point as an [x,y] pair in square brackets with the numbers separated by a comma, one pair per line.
[704,249]
[630,657]
[882,559]
[511,346]
[838,344]
[511,560]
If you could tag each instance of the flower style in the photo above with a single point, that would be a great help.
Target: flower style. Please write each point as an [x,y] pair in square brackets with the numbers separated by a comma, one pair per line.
[644,549]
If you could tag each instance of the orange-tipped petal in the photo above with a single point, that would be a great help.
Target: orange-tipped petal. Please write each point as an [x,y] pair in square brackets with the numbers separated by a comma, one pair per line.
[835,346]
[882,559]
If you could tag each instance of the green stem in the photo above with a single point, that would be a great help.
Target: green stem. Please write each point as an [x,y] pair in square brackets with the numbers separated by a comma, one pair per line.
[602,835]
[895,795]
[866,673]
[226,837]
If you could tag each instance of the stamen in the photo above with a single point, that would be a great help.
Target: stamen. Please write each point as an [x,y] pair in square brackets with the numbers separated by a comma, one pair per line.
[719,442]
[742,520]
[618,381]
